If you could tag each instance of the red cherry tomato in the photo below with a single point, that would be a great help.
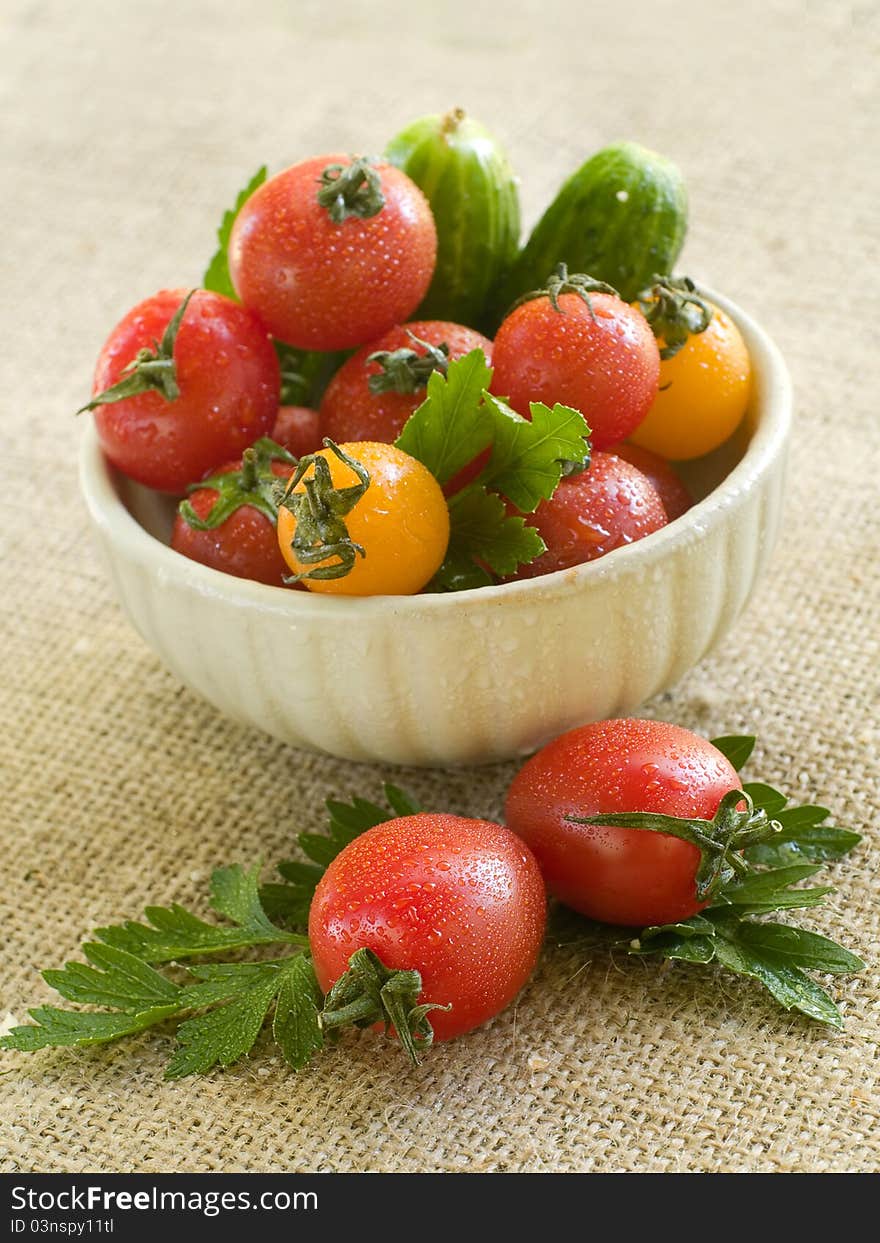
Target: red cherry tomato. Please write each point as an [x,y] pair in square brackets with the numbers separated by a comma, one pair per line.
[589,514]
[298,429]
[228,375]
[605,363]
[245,545]
[672,492]
[326,283]
[621,876]
[350,411]
[460,901]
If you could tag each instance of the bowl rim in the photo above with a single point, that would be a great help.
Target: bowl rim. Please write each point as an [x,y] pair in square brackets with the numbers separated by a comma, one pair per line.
[111,515]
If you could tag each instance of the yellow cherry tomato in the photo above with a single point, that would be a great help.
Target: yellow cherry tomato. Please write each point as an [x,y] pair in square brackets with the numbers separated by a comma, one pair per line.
[704,391]
[401,522]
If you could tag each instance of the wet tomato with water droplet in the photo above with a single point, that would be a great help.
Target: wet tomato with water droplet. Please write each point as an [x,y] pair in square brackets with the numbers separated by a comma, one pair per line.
[460,901]
[609,505]
[229,380]
[327,284]
[351,411]
[401,523]
[601,359]
[245,545]
[703,393]
[671,490]
[298,430]
[620,876]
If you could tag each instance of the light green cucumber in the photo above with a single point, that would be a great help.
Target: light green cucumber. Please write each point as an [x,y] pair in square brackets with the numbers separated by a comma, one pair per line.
[470,186]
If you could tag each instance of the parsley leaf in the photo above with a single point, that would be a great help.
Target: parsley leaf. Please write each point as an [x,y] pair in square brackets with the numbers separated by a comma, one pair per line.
[305,374]
[173,932]
[291,901]
[224,1034]
[236,998]
[459,419]
[401,803]
[115,979]
[229,1003]
[53,1028]
[294,381]
[798,947]
[804,837]
[452,425]
[530,455]
[787,984]
[482,533]
[736,747]
[217,277]
[772,891]
[675,942]
[777,955]
[296,1026]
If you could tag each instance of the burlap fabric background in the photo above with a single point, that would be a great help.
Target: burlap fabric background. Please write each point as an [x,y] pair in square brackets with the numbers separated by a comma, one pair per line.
[127,128]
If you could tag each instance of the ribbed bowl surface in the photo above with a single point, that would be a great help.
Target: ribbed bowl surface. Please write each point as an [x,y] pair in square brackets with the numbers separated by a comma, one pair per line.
[471,677]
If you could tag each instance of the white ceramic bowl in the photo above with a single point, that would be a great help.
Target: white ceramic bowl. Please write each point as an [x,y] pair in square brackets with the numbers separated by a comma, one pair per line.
[475,676]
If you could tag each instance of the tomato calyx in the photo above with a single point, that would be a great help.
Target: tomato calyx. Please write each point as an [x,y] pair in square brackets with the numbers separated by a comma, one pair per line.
[559,282]
[353,189]
[675,311]
[320,510]
[719,840]
[150,369]
[406,370]
[254,484]
[369,992]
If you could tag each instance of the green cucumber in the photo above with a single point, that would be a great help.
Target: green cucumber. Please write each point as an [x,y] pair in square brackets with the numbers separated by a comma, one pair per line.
[621,218]
[469,183]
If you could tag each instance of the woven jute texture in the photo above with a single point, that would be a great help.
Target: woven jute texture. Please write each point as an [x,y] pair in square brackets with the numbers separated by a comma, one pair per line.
[126,129]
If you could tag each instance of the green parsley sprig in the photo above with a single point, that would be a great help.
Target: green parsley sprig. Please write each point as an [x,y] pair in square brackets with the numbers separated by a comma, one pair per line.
[221,1008]
[459,420]
[730,930]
